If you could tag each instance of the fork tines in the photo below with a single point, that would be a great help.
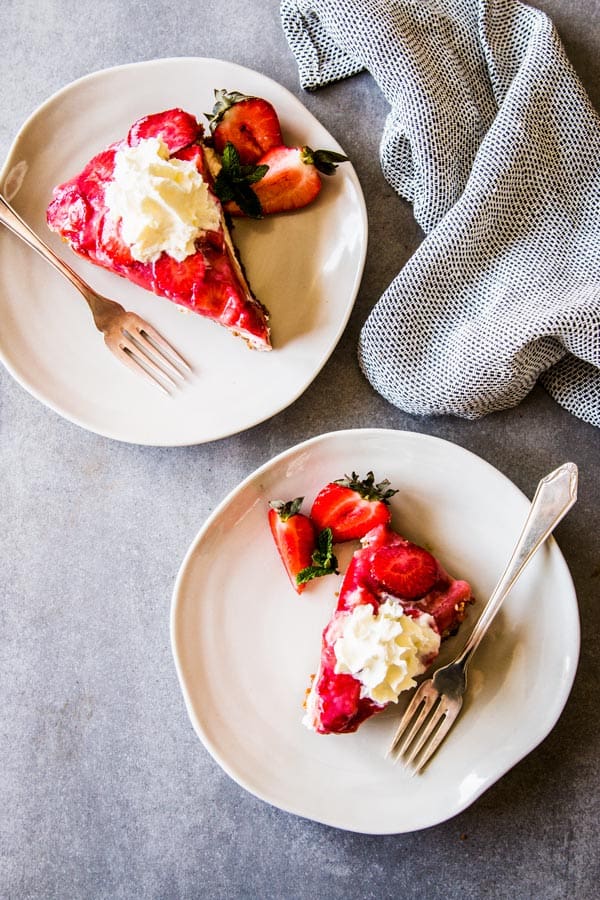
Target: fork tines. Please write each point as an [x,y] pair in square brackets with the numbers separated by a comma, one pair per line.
[423,726]
[151,356]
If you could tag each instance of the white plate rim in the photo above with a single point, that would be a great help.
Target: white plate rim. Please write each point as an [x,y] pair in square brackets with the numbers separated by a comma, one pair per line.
[277,460]
[291,98]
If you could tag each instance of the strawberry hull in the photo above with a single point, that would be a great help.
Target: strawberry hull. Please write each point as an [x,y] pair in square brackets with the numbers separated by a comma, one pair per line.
[209,282]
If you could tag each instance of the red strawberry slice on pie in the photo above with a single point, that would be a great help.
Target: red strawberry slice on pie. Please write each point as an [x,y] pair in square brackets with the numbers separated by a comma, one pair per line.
[209,281]
[387,572]
[177,128]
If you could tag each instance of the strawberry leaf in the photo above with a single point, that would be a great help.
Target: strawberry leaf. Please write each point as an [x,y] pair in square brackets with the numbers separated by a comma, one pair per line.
[285,510]
[325,161]
[224,100]
[367,487]
[324,561]
[234,180]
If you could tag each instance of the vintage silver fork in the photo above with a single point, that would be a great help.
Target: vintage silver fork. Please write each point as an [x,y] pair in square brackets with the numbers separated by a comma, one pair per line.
[132,340]
[437,701]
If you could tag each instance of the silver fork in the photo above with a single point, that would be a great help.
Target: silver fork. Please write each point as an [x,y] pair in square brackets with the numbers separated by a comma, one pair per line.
[132,340]
[437,701]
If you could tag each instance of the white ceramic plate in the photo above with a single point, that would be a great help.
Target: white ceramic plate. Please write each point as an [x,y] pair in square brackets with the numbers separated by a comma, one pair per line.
[245,643]
[306,268]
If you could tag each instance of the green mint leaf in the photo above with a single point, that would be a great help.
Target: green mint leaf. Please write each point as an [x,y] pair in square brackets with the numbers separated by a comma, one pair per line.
[247,201]
[224,188]
[230,160]
[312,572]
[252,174]
[233,182]
[323,559]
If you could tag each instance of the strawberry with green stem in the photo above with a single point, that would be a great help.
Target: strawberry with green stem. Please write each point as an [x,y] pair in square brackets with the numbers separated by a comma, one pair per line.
[352,506]
[284,179]
[304,554]
[249,123]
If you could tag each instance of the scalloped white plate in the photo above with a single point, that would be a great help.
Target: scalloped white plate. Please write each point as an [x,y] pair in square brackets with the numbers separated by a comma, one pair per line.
[305,267]
[245,644]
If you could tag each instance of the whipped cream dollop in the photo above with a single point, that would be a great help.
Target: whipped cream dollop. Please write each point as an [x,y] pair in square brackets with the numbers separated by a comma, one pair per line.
[385,650]
[163,203]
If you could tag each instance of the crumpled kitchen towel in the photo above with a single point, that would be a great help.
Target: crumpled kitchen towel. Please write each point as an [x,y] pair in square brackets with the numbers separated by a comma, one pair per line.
[492,138]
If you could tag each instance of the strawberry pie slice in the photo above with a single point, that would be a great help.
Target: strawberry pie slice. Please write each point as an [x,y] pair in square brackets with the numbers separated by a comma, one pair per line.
[145,209]
[396,604]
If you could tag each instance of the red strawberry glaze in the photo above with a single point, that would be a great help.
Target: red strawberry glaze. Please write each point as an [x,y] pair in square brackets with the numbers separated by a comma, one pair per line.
[209,282]
[334,705]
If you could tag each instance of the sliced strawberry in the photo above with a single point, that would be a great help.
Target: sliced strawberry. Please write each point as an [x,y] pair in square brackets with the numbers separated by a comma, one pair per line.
[249,123]
[177,128]
[405,570]
[351,507]
[194,153]
[447,603]
[292,179]
[178,280]
[110,245]
[98,173]
[69,213]
[290,182]
[294,537]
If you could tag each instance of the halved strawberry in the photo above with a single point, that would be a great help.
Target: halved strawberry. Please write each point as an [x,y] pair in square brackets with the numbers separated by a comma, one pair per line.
[294,536]
[195,154]
[249,123]
[179,280]
[99,173]
[110,246]
[405,570]
[351,507]
[304,554]
[292,179]
[177,128]
[70,208]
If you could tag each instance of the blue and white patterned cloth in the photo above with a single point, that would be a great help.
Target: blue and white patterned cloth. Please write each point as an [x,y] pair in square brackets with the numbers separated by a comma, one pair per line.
[492,138]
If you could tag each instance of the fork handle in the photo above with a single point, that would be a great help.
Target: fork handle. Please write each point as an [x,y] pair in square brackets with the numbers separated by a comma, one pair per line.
[15,223]
[101,307]
[555,495]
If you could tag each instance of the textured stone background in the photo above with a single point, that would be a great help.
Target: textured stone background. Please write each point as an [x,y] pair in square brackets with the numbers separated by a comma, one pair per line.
[104,789]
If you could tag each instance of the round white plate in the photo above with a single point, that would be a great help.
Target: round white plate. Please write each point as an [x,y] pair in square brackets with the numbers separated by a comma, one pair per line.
[245,644]
[305,267]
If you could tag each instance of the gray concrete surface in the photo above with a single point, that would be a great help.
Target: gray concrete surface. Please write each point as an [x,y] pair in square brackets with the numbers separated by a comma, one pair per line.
[105,792]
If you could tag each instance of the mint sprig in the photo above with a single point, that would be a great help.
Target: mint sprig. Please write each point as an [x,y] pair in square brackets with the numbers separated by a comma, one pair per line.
[324,561]
[233,183]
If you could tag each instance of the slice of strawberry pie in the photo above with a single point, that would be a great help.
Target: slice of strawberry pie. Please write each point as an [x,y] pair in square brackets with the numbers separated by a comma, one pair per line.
[395,605]
[145,209]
